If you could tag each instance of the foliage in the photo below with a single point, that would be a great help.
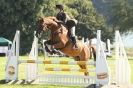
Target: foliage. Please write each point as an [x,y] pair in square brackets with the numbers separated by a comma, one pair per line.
[122,15]
[19,15]
[23,14]
[89,19]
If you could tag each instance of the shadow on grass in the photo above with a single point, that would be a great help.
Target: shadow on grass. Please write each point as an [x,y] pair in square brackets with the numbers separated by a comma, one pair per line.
[11,82]
[93,86]
[16,82]
[3,81]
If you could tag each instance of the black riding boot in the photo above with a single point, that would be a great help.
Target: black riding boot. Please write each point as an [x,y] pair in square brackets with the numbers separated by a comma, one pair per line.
[73,38]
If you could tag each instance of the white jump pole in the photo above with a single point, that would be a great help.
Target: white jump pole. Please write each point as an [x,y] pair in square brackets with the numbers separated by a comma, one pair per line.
[123,69]
[32,68]
[102,70]
[12,59]
[45,53]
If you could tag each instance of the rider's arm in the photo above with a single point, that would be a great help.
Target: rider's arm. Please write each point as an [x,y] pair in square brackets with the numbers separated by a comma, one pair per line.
[58,21]
[64,15]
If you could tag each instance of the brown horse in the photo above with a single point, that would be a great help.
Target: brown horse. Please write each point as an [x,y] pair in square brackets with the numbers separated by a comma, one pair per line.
[60,40]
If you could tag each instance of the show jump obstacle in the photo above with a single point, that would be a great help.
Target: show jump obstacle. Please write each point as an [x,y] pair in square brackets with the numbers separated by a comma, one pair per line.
[123,69]
[12,59]
[101,71]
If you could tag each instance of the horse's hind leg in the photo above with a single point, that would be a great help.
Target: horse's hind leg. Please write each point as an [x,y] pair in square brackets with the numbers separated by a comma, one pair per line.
[86,73]
[94,52]
[82,66]
[85,55]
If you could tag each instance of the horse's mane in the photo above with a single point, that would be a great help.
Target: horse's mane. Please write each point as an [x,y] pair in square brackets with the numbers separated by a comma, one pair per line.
[50,17]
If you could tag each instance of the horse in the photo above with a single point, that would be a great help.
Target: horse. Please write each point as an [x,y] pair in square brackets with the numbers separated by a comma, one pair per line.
[60,40]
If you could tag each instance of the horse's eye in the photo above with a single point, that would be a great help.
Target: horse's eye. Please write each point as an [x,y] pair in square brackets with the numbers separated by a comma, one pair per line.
[53,19]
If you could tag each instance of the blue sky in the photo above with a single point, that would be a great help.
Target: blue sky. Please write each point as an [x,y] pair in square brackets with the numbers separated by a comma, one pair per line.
[128,40]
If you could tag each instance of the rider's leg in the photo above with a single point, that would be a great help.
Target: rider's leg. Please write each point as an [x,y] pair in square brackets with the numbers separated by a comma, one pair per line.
[71,28]
[73,37]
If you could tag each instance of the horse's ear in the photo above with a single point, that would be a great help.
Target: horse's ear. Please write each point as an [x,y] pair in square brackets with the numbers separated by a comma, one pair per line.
[41,20]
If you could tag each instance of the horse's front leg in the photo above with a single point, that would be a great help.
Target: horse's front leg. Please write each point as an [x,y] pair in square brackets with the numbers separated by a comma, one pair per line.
[46,43]
[58,45]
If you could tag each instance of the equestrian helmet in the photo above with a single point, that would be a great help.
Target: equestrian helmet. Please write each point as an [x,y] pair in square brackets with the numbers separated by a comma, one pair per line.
[59,6]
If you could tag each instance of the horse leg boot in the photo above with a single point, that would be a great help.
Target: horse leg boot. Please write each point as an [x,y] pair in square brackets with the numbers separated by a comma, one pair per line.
[46,47]
[54,51]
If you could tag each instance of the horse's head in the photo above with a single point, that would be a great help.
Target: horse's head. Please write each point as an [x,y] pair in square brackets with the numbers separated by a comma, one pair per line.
[44,24]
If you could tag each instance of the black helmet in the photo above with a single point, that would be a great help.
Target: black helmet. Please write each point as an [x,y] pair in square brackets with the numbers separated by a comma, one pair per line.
[59,6]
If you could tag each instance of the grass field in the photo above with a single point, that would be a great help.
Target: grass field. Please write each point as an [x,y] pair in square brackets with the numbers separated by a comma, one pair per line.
[22,73]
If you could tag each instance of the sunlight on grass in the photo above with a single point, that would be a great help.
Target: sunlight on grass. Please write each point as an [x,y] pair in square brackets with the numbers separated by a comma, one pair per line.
[22,71]
[36,86]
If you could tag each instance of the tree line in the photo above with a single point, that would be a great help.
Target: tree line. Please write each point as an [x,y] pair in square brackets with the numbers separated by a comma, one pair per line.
[23,15]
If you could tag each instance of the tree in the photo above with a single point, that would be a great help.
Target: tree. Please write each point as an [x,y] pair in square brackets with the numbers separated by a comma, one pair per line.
[121,15]
[89,19]
[23,14]
[19,15]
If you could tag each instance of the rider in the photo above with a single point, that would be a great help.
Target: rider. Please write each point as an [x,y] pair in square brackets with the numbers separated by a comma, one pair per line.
[64,19]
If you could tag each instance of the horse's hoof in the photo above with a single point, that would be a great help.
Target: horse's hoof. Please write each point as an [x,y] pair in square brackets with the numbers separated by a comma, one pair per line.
[86,73]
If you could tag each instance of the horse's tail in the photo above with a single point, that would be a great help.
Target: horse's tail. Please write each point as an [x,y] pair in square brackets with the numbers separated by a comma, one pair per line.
[93,52]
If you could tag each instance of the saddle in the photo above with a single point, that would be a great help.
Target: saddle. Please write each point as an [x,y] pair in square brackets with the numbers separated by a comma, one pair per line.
[70,23]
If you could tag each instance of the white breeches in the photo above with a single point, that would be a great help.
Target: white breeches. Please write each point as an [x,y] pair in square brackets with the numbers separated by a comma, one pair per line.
[73,31]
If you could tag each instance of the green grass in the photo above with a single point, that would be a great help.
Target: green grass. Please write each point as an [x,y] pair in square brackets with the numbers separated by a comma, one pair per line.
[23,66]
[35,86]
